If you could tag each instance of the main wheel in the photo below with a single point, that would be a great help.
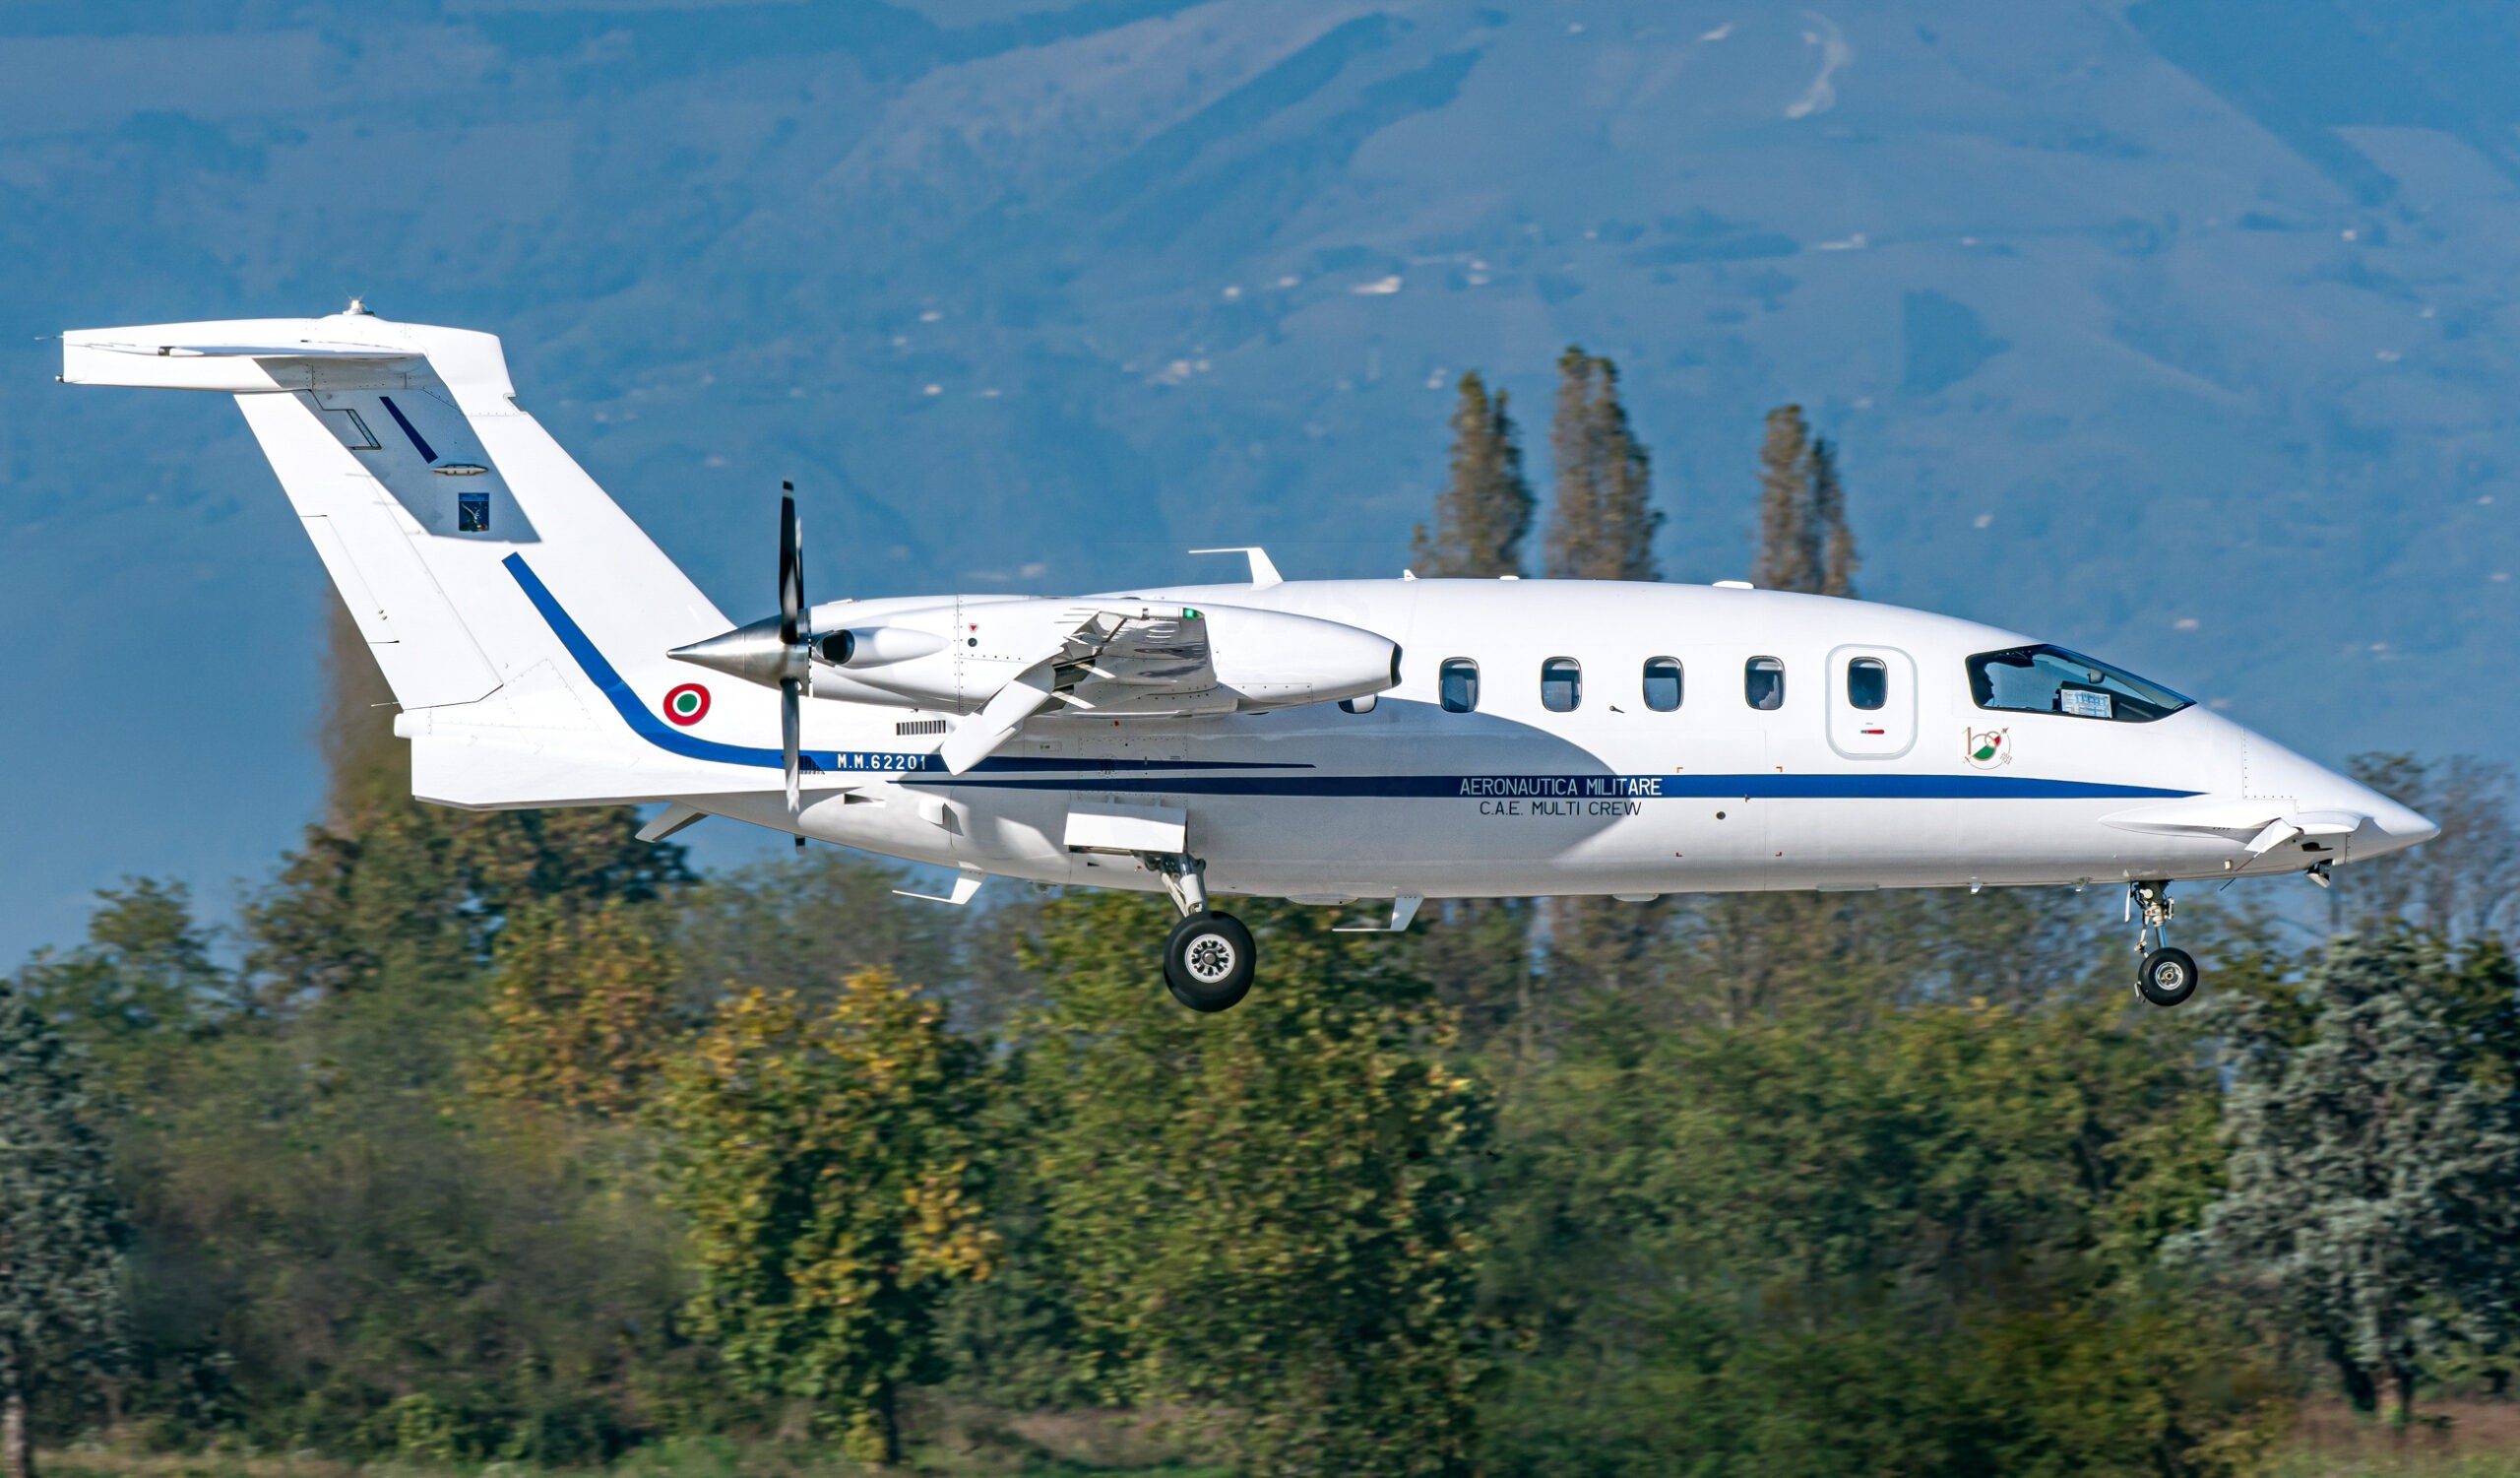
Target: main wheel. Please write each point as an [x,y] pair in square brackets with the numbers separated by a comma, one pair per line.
[1207,963]
[2169,977]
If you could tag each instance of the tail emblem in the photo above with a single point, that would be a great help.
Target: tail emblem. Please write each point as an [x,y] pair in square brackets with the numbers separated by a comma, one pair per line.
[687,705]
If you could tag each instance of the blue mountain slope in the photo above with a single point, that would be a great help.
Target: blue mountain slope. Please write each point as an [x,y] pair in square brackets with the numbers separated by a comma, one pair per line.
[2176,330]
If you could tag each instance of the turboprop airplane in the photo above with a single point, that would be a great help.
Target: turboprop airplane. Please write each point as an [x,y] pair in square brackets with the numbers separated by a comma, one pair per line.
[1328,742]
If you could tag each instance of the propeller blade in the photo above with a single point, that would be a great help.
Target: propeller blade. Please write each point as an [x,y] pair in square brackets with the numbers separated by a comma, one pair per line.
[792,566]
[791,721]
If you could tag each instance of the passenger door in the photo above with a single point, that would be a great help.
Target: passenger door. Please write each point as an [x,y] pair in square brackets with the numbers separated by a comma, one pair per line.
[1872,703]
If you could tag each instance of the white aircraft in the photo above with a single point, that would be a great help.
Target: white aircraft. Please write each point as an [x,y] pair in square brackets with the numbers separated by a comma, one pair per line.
[1328,742]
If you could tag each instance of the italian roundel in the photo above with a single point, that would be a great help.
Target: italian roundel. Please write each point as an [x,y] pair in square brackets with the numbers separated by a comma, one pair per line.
[687,705]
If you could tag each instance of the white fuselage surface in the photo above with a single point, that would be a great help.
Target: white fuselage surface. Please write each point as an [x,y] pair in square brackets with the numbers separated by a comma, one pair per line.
[1610,796]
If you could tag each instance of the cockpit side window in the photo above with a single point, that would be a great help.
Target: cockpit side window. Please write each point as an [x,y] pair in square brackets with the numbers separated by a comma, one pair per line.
[2052,680]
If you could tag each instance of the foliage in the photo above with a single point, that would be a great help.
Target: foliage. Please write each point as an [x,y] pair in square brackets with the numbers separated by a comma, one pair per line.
[2464,883]
[144,976]
[2374,1168]
[1602,522]
[825,1164]
[1920,1247]
[1805,543]
[1485,512]
[1266,1214]
[61,1228]
[580,1010]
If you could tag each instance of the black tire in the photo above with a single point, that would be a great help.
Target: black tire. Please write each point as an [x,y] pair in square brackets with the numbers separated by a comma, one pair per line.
[1208,961]
[2169,977]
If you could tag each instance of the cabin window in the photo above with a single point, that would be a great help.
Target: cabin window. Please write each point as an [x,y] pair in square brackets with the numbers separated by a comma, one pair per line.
[1561,685]
[1458,685]
[1867,683]
[2052,680]
[1662,683]
[1763,683]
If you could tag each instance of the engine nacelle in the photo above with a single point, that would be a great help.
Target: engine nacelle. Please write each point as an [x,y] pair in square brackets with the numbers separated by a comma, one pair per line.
[1269,659]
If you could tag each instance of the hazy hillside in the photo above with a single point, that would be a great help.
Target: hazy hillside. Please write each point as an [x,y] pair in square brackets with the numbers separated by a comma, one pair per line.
[2176,330]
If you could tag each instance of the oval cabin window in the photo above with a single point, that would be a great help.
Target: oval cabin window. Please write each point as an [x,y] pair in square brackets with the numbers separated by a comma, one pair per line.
[1662,683]
[1763,683]
[1561,685]
[1457,684]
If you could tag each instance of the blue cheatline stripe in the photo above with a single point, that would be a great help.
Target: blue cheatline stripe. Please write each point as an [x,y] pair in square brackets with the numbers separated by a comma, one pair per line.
[408,430]
[1587,786]
[1134,777]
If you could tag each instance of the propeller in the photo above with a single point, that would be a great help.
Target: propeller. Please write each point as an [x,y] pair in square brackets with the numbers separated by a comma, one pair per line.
[775,651]
[791,636]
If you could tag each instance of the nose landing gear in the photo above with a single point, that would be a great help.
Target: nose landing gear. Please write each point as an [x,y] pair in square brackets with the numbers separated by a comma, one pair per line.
[2167,976]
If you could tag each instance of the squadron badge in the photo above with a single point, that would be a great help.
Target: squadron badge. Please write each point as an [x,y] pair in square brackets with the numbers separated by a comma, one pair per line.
[1988,749]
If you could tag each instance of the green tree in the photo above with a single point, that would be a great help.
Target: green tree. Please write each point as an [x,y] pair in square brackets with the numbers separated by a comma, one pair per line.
[61,1226]
[2374,1169]
[144,983]
[1838,559]
[1265,1214]
[581,1008]
[1924,1248]
[1805,543]
[827,1162]
[1485,512]
[1602,522]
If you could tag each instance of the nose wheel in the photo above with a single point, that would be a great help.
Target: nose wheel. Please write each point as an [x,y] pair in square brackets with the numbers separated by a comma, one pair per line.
[2167,976]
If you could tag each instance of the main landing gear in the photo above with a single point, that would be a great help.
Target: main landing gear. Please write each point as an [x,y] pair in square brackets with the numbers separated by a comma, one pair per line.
[2167,976]
[1208,961]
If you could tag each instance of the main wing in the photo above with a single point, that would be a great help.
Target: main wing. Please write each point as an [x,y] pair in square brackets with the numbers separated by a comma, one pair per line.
[1126,662]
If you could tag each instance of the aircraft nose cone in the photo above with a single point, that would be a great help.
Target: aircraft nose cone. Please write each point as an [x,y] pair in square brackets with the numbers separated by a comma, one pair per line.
[2404,825]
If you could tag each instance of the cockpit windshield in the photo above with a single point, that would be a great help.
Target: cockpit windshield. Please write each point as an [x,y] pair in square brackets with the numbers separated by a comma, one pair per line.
[2052,680]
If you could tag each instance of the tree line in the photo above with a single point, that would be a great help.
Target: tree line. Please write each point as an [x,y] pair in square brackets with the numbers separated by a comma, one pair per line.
[508,1137]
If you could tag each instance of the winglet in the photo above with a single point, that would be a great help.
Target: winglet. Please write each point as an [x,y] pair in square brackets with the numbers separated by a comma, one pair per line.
[1264,573]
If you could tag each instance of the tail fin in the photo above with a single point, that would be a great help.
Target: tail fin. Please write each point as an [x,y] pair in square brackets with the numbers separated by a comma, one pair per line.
[520,618]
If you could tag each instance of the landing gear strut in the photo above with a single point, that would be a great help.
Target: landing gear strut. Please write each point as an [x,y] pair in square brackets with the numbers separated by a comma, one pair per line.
[1208,961]
[2167,976]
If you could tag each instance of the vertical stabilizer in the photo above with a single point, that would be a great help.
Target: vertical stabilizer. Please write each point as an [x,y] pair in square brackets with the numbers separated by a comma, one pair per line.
[455,530]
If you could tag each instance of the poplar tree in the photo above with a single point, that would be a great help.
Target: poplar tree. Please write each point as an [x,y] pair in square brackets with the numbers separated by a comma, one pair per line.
[1485,512]
[1829,508]
[61,1228]
[1603,523]
[1804,543]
